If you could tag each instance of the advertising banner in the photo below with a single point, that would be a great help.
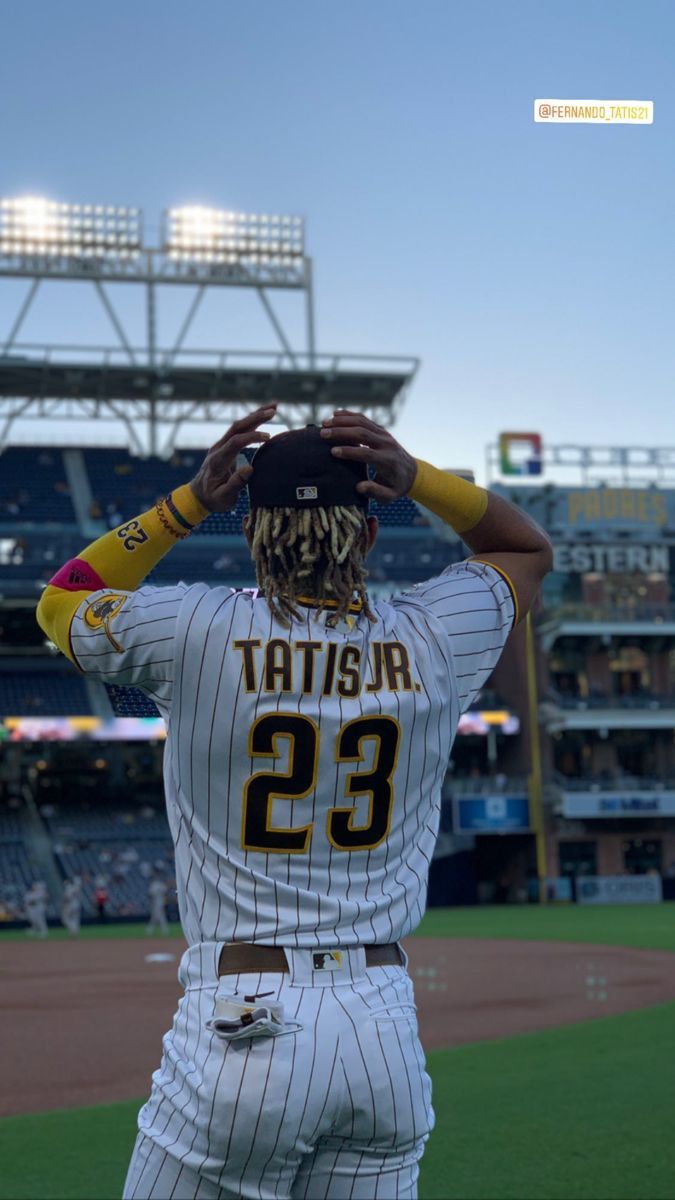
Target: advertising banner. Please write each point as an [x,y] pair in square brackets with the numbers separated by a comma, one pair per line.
[491,814]
[87,729]
[584,805]
[619,889]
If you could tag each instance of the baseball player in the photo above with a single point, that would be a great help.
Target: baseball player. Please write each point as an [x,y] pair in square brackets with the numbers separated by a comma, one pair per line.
[71,905]
[157,891]
[309,731]
[35,905]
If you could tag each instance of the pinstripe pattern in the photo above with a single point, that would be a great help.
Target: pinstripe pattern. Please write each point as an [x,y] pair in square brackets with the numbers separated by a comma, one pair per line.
[147,640]
[342,1108]
[454,628]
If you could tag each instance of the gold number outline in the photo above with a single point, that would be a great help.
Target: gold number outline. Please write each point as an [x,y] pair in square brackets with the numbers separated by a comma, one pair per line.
[352,787]
[274,793]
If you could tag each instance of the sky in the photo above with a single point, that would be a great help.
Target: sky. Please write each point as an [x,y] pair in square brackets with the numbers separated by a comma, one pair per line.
[529,266]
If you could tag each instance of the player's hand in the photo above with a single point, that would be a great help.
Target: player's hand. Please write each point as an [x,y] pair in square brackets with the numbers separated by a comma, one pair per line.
[218,482]
[362,440]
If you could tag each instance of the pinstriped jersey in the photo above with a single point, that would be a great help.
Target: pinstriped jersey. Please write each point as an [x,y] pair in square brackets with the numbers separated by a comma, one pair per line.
[304,761]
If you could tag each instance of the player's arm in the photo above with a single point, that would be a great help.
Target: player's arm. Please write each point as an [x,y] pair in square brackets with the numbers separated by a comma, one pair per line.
[122,558]
[495,531]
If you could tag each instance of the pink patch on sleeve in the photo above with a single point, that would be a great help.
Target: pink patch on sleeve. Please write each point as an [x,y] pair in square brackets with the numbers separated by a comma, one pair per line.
[77,576]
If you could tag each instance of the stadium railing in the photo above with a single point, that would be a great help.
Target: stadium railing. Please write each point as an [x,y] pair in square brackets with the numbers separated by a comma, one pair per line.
[485,785]
[620,783]
[650,700]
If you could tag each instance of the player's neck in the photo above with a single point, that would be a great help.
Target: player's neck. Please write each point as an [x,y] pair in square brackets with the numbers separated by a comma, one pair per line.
[311,602]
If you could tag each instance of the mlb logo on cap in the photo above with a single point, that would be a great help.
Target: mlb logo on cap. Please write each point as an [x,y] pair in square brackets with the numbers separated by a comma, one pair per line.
[297,469]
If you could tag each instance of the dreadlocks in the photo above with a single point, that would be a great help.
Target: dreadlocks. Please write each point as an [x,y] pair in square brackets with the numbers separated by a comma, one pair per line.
[315,552]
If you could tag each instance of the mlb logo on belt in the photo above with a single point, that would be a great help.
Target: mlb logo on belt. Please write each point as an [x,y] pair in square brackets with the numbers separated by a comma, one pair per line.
[306,493]
[327,960]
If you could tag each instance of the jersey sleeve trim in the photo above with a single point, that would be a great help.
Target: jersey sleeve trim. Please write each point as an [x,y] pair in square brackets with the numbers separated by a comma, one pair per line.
[507,580]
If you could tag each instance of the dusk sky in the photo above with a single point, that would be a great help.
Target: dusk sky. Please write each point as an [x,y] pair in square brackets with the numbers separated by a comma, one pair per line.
[529,266]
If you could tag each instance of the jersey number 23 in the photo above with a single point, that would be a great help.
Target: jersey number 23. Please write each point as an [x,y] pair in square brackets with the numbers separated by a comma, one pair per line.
[301,735]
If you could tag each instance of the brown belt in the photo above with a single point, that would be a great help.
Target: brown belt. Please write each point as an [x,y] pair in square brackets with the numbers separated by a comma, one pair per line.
[239,957]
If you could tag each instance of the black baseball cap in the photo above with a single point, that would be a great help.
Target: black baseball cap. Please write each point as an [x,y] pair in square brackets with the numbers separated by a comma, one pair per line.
[297,470]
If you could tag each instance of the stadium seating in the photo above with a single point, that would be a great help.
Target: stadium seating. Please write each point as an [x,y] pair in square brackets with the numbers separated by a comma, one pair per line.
[33,487]
[17,871]
[114,842]
[126,484]
[12,823]
[42,694]
[16,876]
[229,565]
[32,573]
[125,881]
[131,483]
[33,493]
[107,819]
[401,513]
[29,557]
[398,559]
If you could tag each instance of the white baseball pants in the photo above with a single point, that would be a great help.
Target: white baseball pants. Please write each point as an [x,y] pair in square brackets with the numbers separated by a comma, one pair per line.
[70,918]
[158,920]
[341,1108]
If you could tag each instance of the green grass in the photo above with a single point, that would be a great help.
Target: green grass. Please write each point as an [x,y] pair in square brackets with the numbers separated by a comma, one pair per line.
[571,1114]
[90,931]
[78,1154]
[649,926]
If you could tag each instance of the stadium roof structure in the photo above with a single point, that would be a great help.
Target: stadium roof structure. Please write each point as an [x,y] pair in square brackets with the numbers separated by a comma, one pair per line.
[152,387]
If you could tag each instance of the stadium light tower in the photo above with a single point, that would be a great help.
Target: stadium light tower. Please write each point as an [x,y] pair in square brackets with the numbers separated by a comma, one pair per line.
[43,241]
[37,231]
[215,236]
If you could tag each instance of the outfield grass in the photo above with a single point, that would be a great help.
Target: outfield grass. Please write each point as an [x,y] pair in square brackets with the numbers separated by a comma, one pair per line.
[649,926]
[571,1114]
[89,931]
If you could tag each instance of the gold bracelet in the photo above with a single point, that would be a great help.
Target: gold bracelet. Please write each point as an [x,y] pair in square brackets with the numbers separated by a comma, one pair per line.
[167,525]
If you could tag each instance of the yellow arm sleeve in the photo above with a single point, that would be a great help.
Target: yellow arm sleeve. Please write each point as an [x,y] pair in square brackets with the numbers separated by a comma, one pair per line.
[456,501]
[55,613]
[119,559]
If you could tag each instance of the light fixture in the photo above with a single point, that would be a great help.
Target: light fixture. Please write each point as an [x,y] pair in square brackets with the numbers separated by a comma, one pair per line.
[34,227]
[214,235]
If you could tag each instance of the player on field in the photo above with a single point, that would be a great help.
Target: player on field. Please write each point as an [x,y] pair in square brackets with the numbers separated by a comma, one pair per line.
[158,890]
[35,906]
[309,731]
[71,905]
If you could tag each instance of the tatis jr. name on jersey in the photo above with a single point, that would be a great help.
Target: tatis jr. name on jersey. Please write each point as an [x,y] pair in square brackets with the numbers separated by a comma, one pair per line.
[324,668]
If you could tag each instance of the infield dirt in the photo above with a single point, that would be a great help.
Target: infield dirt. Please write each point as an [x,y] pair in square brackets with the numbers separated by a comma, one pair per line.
[82,1022]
